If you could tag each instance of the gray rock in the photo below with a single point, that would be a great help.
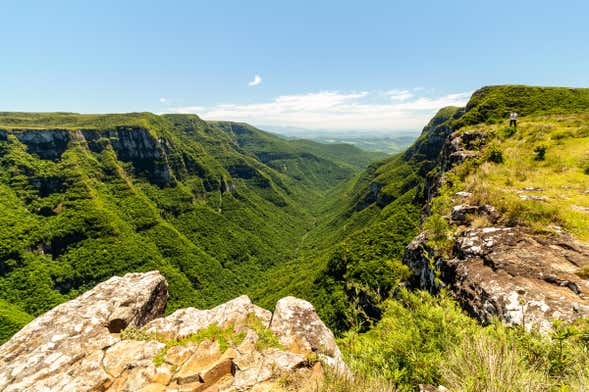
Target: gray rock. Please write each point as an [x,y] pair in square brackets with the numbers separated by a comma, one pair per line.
[460,213]
[47,144]
[580,208]
[463,194]
[77,345]
[300,329]
[534,198]
[510,273]
[65,346]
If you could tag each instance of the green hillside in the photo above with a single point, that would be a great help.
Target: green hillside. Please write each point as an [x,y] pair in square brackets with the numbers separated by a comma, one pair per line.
[344,153]
[86,197]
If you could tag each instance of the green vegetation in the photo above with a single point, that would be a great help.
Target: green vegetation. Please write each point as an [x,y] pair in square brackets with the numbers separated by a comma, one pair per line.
[425,339]
[11,320]
[540,181]
[342,153]
[224,209]
[210,205]
[266,338]
[492,104]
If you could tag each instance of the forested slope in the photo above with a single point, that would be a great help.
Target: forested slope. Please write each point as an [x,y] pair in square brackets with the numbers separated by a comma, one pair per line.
[86,197]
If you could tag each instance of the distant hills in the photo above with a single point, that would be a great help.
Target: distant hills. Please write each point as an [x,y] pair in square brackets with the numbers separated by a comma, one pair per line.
[391,142]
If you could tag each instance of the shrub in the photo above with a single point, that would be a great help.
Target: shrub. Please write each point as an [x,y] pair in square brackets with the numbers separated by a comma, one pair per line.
[408,345]
[494,154]
[509,132]
[438,231]
[585,164]
[540,152]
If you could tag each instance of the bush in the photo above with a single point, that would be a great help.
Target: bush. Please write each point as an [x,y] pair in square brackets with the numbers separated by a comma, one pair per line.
[585,164]
[540,152]
[509,132]
[438,231]
[423,339]
[494,154]
[407,347]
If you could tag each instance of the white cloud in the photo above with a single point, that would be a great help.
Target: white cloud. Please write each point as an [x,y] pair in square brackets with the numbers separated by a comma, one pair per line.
[333,110]
[399,95]
[257,80]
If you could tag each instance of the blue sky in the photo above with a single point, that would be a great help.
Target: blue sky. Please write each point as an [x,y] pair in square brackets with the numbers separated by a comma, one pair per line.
[378,65]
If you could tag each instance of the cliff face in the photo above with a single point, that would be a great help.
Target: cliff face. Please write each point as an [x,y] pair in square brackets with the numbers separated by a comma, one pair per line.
[114,338]
[496,259]
[132,144]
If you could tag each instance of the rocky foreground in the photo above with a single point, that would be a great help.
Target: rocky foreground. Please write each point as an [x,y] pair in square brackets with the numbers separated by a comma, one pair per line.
[115,338]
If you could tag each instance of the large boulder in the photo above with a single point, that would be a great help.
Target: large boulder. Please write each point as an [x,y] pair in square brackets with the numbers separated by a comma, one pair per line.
[64,348]
[114,338]
[300,329]
[510,273]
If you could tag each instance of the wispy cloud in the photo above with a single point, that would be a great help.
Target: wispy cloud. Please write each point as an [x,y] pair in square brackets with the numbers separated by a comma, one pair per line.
[165,101]
[257,80]
[333,110]
[399,95]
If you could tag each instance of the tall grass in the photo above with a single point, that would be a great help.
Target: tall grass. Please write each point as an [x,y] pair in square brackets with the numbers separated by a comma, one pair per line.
[483,363]
[423,339]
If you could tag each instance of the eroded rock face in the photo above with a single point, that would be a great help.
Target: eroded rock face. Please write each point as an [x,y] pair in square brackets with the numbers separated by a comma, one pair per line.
[521,277]
[510,273]
[131,144]
[135,145]
[114,338]
[47,144]
[462,146]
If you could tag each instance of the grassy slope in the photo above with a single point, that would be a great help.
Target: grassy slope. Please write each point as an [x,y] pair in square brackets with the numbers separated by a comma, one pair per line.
[225,216]
[562,176]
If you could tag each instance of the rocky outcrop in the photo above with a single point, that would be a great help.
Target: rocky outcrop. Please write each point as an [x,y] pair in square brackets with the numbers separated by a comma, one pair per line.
[520,277]
[114,338]
[47,144]
[461,213]
[64,348]
[300,330]
[506,272]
